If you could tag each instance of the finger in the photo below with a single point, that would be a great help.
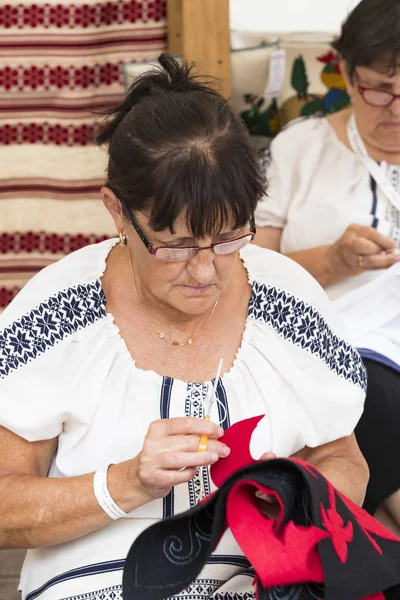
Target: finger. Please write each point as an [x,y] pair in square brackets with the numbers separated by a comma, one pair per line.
[361,245]
[268,456]
[271,510]
[215,446]
[270,498]
[184,443]
[384,242]
[380,261]
[166,479]
[178,460]
[192,425]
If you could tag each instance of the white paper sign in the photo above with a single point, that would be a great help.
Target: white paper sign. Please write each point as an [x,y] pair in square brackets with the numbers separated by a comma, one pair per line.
[277,70]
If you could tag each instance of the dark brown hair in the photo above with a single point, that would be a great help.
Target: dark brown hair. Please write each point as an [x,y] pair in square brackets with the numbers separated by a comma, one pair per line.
[371,35]
[176,145]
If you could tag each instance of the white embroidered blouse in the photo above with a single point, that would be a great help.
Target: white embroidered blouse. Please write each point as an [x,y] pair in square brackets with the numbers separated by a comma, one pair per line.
[65,371]
[317,188]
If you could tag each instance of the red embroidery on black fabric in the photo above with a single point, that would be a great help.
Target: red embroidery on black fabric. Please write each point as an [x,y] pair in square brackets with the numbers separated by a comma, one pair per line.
[371,539]
[369,525]
[340,534]
[307,467]
[287,548]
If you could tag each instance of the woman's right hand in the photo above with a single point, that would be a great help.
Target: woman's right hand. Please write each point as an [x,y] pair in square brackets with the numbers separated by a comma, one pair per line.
[361,248]
[170,454]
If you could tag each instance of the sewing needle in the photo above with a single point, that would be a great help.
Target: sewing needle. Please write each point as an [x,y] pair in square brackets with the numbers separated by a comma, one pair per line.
[203,444]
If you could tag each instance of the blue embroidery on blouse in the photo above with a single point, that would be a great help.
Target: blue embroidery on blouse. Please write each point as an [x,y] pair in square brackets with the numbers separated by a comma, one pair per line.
[110,593]
[374,190]
[165,404]
[223,406]
[199,486]
[300,324]
[201,589]
[60,316]
[77,307]
[111,566]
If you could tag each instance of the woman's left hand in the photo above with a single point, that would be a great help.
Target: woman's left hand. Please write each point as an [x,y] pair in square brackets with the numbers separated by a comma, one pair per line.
[268,456]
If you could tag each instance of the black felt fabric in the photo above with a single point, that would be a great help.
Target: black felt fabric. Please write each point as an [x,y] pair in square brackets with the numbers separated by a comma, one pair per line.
[352,557]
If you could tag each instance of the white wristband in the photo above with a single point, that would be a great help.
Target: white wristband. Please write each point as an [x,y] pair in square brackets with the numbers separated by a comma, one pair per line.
[104,497]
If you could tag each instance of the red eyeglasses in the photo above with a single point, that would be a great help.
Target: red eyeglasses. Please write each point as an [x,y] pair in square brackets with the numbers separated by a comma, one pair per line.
[376,97]
[186,253]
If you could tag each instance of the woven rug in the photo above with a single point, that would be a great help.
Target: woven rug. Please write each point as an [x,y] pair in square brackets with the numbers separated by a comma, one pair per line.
[59,63]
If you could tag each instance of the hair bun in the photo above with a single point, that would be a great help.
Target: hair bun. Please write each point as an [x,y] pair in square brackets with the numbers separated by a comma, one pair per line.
[178,73]
[170,75]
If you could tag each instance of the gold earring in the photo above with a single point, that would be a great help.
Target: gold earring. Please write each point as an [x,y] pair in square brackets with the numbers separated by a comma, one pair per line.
[123,240]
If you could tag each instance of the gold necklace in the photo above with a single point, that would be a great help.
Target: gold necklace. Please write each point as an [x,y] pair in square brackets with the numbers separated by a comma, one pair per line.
[160,334]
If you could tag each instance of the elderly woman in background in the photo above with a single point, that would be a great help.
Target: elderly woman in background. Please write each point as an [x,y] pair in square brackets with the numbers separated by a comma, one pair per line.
[107,356]
[334,208]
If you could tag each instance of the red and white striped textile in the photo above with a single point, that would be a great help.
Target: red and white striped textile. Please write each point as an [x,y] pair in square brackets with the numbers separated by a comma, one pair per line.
[59,62]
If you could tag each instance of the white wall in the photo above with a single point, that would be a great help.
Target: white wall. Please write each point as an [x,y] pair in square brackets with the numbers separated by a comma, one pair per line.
[289,15]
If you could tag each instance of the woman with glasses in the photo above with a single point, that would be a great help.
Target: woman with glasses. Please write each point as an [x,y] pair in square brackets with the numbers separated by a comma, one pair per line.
[334,207]
[108,358]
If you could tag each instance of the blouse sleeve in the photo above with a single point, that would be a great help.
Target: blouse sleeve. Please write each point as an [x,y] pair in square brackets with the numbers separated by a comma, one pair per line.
[303,338]
[272,210]
[30,396]
[284,172]
[34,375]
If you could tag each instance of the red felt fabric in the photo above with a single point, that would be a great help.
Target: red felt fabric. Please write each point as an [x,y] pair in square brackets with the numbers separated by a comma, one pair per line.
[237,438]
[291,556]
[318,536]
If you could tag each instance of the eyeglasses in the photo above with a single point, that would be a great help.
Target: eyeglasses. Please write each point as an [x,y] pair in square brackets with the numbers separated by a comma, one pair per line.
[376,97]
[185,253]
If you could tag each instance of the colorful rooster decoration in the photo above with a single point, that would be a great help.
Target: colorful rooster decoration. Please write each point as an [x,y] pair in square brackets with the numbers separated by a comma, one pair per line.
[331,76]
[337,97]
[305,104]
[262,120]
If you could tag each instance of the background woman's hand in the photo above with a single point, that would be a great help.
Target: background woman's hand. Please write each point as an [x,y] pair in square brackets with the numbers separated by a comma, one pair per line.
[170,454]
[376,251]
